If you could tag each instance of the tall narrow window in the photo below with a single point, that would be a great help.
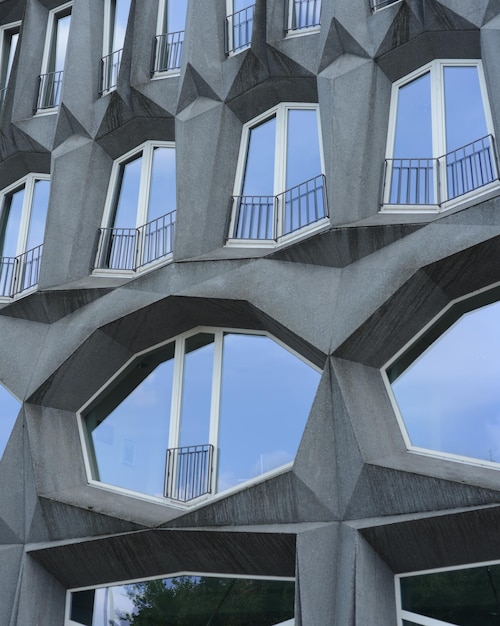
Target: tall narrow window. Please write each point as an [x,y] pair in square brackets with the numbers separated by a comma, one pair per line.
[22,227]
[239,24]
[139,221]
[9,37]
[440,145]
[49,93]
[9,408]
[280,184]
[303,14]
[197,436]
[116,14]
[170,38]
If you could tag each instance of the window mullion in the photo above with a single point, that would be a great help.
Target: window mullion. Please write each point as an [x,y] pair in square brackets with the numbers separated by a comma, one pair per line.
[280,165]
[142,206]
[213,437]
[25,215]
[438,120]
[177,385]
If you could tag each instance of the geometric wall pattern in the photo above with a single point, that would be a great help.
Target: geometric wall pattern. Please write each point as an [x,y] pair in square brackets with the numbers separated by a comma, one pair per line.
[356,507]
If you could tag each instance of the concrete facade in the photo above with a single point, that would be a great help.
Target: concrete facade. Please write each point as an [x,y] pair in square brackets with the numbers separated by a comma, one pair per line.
[357,507]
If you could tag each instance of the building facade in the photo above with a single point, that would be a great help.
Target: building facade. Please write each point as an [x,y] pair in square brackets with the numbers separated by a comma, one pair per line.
[249,266]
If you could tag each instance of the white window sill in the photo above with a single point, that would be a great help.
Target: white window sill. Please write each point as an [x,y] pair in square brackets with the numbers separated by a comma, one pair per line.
[298,235]
[144,269]
[300,32]
[159,75]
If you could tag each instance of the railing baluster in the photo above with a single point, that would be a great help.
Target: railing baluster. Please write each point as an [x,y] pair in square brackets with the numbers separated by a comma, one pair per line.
[188,472]
[239,29]
[110,68]
[49,91]
[305,14]
[168,51]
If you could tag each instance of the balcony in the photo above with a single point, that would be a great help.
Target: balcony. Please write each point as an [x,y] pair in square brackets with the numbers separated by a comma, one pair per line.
[189,472]
[167,52]
[274,217]
[133,248]
[304,14]
[110,68]
[239,30]
[49,90]
[431,182]
[20,273]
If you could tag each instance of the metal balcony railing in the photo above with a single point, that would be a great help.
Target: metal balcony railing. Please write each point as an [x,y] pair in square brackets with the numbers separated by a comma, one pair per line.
[17,274]
[304,14]
[132,248]
[380,4]
[273,217]
[49,90]
[238,28]
[434,181]
[110,68]
[188,472]
[167,52]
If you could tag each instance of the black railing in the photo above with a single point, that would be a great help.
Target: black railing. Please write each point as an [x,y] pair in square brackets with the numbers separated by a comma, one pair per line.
[238,28]
[418,181]
[110,68]
[189,471]
[49,90]
[273,217]
[167,52]
[132,248]
[470,167]
[17,274]
[380,4]
[304,14]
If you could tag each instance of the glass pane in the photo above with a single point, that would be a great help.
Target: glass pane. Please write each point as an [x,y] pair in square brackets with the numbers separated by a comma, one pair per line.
[239,5]
[266,397]
[162,190]
[60,43]
[190,600]
[465,597]
[130,444]
[465,119]
[303,160]
[449,397]
[9,50]
[9,408]
[121,12]
[413,138]
[197,390]
[128,184]
[38,215]
[259,168]
[176,18]
[11,222]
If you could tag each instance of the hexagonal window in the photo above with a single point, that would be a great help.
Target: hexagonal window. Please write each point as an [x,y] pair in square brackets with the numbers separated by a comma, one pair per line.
[447,384]
[203,413]
[8,413]
[195,599]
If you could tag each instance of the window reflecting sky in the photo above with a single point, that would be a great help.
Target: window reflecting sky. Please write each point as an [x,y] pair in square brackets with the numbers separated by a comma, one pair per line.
[11,222]
[121,12]
[38,215]
[176,15]
[59,43]
[259,169]
[450,397]
[9,408]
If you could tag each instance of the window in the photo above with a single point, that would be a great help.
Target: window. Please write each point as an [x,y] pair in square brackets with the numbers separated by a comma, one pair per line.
[205,412]
[440,145]
[303,14]
[450,597]
[446,385]
[280,186]
[9,408]
[116,14]
[139,222]
[168,43]
[239,24]
[22,227]
[49,92]
[9,37]
[380,4]
[194,599]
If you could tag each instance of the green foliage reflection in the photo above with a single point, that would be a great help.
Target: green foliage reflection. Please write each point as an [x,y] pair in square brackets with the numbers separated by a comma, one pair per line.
[207,601]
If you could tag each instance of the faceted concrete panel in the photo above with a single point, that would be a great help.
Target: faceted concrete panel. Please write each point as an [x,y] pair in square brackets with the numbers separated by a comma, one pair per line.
[10,564]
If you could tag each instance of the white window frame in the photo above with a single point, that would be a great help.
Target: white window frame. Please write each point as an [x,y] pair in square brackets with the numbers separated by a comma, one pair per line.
[230,29]
[162,28]
[6,33]
[175,414]
[54,15]
[131,581]
[438,122]
[422,620]
[292,31]
[147,151]
[376,9]
[280,111]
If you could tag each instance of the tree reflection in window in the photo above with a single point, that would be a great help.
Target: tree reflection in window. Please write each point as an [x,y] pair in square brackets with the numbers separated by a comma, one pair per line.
[448,394]
[228,407]
[187,601]
[462,597]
